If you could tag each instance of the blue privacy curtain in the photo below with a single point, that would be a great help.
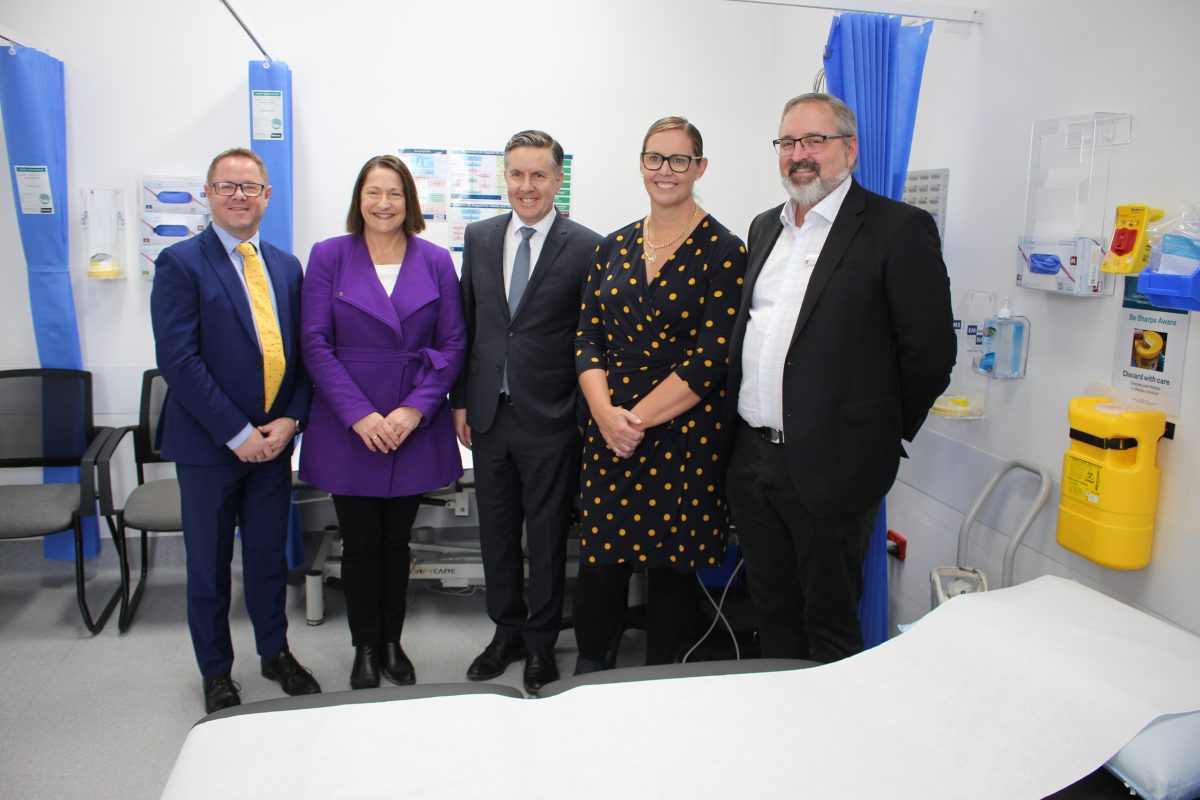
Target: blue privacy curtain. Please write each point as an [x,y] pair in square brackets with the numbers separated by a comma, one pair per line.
[35,125]
[874,64]
[271,139]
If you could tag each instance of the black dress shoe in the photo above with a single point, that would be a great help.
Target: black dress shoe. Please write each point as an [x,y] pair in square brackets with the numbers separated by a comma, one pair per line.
[294,678]
[365,672]
[540,669]
[493,660]
[220,692]
[396,666]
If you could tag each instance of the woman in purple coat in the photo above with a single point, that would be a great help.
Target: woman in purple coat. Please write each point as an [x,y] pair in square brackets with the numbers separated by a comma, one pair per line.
[383,338]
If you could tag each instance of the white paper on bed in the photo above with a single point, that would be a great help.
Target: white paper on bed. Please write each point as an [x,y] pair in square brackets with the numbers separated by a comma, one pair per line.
[1010,694]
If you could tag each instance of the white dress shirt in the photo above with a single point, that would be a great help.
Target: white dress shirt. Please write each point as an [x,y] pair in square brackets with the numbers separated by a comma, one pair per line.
[775,307]
[512,240]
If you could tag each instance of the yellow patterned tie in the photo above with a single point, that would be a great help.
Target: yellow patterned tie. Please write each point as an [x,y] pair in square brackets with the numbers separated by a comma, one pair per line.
[274,362]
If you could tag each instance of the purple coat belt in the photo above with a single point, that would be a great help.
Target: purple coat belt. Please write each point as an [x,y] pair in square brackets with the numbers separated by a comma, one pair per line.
[368,351]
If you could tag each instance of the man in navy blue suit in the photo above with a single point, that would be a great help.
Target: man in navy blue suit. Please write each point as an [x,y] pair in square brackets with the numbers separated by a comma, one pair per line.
[225,309]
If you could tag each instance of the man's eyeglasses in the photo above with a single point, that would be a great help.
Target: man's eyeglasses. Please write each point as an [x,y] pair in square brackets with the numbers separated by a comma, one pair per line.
[813,143]
[227,189]
[678,162]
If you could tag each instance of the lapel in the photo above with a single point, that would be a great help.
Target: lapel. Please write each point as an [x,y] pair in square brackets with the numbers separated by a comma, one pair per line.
[416,286]
[763,244]
[493,259]
[359,286]
[556,238]
[845,226]
[221,266]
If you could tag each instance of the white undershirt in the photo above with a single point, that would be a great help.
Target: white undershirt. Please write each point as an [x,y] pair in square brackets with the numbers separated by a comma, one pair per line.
[388,273]
[775,307]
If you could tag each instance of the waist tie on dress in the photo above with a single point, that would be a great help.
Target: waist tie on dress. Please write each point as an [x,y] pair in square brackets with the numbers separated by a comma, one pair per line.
[429,358]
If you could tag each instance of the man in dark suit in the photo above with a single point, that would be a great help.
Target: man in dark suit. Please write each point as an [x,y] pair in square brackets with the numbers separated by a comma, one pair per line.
[843,340]
[515,402]
[225,309]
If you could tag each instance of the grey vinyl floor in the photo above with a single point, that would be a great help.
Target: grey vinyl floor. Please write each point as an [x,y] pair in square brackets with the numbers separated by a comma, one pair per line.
[105,716]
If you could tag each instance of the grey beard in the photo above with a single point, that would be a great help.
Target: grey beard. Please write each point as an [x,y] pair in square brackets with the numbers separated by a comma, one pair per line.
[816,190]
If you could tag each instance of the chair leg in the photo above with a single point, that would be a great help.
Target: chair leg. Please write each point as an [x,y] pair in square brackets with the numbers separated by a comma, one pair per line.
[94,626]
[129,604]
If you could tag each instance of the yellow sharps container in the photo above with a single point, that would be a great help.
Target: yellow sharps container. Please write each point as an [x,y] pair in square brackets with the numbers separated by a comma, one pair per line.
[1110,482]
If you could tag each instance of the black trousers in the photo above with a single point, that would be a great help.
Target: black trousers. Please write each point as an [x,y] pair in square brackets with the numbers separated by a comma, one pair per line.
[524,477]
[601,597]
[375,564]
[804,572]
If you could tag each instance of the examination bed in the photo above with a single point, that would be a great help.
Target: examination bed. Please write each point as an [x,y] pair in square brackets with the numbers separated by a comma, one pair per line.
[1015,693]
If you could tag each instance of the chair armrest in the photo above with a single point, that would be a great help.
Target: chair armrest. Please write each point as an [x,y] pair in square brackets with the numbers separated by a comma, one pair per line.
[104,465]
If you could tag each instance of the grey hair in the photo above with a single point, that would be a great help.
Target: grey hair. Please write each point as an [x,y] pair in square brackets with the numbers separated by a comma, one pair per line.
[843,115]
[535,138]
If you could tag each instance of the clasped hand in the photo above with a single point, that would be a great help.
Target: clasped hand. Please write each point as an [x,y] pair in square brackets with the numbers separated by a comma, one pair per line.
[621,430]
[267,441]
[383,434]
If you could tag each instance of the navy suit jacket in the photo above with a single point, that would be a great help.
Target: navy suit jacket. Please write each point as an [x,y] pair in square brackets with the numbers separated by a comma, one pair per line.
[873,347]
[207,348]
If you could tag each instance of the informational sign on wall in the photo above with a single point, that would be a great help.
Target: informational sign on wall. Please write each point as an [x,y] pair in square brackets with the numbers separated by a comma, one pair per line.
[459,187]
[1150,352]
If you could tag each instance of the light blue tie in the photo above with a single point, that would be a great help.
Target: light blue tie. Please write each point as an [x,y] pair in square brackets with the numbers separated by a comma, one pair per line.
[517,284]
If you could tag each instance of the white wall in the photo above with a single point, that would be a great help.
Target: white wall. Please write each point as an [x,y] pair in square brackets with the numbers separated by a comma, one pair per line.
[158,88]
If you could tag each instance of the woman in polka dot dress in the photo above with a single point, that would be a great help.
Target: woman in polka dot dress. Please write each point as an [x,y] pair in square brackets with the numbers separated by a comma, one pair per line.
[651,353]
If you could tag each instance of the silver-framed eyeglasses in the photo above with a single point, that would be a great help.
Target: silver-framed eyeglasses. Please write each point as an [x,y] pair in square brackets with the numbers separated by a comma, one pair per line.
[813,143]
[227,189]
[678,162]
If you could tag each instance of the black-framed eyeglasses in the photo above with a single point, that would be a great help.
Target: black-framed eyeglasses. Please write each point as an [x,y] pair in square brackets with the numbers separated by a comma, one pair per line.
[678,162]
[227,189]
[813,143]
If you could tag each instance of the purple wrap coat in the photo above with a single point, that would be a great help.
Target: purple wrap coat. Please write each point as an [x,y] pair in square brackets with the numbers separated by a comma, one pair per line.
[366,351]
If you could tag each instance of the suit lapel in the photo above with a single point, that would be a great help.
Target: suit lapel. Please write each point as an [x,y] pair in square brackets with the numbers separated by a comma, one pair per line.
[764,243]
[415,288]
[845,226]
[222,266]
[360,287]
[556,237]
[493,255]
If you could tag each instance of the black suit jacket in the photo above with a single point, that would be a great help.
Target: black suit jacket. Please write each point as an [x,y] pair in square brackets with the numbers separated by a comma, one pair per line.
[873,348]
[538,340]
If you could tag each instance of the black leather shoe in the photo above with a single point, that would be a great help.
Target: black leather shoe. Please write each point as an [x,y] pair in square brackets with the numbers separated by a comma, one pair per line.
[220,692]
[540,669]
[396,666]
[493,660]
[365,672]
[294,678]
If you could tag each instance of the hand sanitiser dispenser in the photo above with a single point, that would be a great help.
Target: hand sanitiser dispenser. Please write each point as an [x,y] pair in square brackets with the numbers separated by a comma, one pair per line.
[1004,340]
[1110,482]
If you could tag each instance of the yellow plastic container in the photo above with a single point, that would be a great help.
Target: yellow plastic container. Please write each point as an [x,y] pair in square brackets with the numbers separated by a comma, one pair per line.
[1147,350]
[1110,483]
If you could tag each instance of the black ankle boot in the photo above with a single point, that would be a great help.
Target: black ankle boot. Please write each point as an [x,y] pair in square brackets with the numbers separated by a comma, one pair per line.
[365,672]
[396,666]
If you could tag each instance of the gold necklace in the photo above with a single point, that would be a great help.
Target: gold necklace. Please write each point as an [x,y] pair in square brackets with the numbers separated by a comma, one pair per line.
[652,249]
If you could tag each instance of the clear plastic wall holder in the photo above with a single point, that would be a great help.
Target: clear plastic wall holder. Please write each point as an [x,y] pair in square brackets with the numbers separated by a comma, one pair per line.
[966,397]
[1066,204]
[103,221]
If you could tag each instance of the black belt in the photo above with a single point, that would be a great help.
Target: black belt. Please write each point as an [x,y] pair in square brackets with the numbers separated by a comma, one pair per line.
[768,435]
[506,399]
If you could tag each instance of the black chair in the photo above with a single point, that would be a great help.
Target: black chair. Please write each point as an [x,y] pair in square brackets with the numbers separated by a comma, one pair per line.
[151,506]
[46,421]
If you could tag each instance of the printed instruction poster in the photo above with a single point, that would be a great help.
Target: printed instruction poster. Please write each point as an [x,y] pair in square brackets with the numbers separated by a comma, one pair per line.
[459,187]
[266,114]
[33,187]
[1150,352]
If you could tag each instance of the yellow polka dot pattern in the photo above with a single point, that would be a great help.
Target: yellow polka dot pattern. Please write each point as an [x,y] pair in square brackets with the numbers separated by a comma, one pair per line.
[274,361]
[662,506]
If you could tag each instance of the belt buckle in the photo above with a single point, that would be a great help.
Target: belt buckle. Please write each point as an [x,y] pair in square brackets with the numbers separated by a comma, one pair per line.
[771,435]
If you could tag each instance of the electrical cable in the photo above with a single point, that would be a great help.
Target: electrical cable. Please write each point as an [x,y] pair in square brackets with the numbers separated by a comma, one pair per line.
[720,615]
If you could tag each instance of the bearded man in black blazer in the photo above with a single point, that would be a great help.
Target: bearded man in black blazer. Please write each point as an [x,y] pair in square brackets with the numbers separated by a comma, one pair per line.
[843,341]
[515,402]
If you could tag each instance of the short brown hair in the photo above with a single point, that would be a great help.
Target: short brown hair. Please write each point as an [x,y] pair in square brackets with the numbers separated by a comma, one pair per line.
[677,123]
[414,223]
[541,140]
[237,152]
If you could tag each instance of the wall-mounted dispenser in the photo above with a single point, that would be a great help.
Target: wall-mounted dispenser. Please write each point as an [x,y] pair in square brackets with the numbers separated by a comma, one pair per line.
[1004,346]
[103,221]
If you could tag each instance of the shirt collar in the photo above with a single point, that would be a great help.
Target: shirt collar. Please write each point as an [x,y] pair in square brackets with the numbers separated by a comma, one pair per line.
[541,227]
[827,209]
[230,242]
